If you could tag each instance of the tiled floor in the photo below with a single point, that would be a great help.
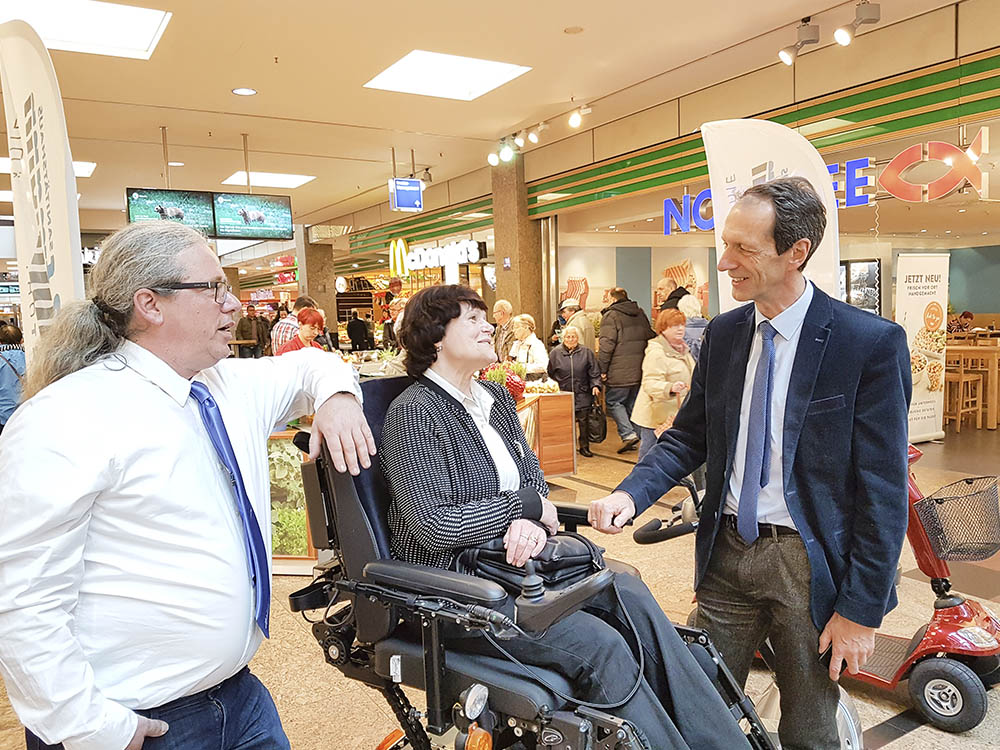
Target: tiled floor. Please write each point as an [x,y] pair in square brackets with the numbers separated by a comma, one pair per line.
[323,711]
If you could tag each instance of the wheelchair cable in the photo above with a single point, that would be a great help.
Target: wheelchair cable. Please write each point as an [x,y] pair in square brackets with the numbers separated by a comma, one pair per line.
[569,699]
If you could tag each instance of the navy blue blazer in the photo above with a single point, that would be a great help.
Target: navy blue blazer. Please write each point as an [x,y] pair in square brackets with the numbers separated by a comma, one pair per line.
[845,441]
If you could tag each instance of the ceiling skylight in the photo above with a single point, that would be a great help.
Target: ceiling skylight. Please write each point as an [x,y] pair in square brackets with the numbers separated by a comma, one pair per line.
[90,26]
[445,76]
[80,168]
[268,179]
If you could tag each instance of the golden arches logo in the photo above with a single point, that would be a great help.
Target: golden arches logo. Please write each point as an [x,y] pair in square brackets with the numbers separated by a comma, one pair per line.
[398,250]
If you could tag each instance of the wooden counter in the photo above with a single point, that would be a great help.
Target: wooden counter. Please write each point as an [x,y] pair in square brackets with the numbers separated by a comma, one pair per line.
[549,424]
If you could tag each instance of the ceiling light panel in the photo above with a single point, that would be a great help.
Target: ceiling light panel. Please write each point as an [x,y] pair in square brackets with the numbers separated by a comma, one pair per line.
[93,27]
[80,168]
[445,76]
[269,179]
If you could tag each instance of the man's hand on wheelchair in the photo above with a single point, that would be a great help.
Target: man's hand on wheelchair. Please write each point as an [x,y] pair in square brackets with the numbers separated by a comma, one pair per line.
[524,540]
[340,421]
[611,513]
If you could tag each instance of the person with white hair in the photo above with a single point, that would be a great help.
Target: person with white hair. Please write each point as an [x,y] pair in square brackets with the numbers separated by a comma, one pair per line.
[695,325]
[503,332]
[135,528]
[527,348]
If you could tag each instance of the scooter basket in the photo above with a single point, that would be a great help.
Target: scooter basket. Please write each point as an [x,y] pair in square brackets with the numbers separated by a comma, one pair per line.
[962,519]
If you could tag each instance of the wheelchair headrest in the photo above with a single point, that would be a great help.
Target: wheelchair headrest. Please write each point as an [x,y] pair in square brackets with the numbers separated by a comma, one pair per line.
[373,493]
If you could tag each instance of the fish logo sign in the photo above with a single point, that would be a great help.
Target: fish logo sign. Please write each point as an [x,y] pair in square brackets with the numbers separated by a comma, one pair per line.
[963,168]
[398,265]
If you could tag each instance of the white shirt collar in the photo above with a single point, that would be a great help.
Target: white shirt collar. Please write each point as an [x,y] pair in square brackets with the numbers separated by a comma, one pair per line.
[451,390]
[789,320]
[156,371]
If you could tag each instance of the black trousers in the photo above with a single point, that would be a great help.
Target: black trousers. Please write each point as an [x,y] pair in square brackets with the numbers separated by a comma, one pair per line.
[676,706]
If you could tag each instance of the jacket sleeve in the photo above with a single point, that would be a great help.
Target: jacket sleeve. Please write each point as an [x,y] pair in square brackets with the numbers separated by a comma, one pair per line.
[424,496]
[243,329]
[594,368]
[679,451]
[879,448]
[608,341]
[657,375]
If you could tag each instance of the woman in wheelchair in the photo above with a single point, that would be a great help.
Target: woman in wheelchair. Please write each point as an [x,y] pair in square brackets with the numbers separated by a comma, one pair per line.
[460,473]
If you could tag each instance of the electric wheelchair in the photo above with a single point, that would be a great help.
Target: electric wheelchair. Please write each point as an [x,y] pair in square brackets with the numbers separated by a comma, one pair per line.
[385,623]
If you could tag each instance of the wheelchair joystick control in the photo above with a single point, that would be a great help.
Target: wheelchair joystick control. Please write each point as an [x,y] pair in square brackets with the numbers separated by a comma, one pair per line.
[532,587]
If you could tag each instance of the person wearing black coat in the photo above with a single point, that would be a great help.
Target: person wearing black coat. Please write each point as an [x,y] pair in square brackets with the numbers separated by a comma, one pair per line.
[575,369]
[673,298]
[357,332]
[625,330]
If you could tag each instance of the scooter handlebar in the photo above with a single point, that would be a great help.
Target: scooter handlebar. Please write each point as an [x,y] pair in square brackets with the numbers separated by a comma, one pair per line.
[654,531]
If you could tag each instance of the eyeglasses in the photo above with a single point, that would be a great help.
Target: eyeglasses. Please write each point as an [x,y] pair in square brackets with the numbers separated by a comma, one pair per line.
[222,288]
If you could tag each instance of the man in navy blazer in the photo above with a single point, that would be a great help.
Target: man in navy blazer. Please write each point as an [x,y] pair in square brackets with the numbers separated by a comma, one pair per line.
[806,555]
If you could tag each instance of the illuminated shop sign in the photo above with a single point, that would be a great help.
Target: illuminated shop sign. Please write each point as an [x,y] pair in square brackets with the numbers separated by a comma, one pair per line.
[677,218]
[402,260]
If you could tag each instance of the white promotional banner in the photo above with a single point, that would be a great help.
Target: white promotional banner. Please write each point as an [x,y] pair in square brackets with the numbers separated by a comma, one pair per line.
[742,153]
[46,218]
[921,303]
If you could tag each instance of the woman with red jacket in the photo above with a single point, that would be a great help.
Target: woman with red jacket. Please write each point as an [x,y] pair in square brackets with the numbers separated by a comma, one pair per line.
[310,326]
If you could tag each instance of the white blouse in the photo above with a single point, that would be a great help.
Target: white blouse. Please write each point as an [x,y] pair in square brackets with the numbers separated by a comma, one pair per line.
[532,353]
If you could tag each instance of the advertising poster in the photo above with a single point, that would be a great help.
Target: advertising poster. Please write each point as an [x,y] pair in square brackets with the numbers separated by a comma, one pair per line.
[742,153]
[921,304]
[243,216]
[46,219]
[188,207]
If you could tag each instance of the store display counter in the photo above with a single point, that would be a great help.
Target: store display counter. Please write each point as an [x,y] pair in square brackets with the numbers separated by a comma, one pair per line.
[549,424]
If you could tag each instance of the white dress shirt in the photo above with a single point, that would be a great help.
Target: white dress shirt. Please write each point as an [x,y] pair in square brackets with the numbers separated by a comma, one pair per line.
[771,506]
[479,405]
[531,352]
[122,555]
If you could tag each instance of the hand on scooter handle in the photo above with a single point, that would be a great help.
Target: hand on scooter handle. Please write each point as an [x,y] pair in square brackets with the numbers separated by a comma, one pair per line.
[851,643]
[611,513]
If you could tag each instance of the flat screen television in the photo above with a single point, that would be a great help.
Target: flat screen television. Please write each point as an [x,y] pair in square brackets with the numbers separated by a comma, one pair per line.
[190,207]
[251,217]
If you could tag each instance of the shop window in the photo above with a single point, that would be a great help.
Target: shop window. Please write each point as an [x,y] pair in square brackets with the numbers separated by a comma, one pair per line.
[861,284]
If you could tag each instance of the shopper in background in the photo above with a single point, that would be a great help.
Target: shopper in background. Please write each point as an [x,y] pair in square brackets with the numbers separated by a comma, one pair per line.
[670,303]
[799,404]
[666,377]
[286,328]
[624,332]
[574,368]
[252,328]
[12,367]
[695,324]
[389,340]
[579,319]
[503,333]
[370,326]
[327,338]
[527,348]
[555,334]
[126,535]
[311,324]
[460,472]
[961,323]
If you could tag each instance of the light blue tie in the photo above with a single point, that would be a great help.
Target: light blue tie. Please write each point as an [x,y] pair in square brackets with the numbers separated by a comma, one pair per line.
[255,547]
[756,470]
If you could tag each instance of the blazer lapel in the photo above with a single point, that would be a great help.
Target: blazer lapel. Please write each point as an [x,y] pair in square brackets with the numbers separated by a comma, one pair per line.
[808,360]
[735,379]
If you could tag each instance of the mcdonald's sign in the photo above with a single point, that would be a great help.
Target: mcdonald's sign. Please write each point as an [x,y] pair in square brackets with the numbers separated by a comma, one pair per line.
[398,265]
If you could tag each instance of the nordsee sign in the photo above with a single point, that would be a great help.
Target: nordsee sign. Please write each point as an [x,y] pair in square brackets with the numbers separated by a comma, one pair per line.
[677,218]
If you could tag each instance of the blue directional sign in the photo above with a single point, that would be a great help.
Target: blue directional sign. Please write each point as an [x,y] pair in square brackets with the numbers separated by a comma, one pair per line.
[406,195]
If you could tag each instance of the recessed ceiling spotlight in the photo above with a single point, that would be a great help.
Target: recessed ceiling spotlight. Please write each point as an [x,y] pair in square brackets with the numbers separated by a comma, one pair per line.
[175,164]
[243,271]
[354,265]
[649,219]
[865,12]
[573,30]
[381,260]
[611,226]
[984,232]
[947,231]
[961,210]
[808,34]
[923,230]
[258,268]
[245,91]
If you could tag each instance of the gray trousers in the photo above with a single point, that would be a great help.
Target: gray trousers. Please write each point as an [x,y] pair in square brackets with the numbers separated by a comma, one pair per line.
[752,592]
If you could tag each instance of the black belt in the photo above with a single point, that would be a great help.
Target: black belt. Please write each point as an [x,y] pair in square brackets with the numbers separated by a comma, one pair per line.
[763,529]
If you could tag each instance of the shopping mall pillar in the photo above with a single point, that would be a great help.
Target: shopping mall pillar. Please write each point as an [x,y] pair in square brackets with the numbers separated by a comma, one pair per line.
[517,243]
[321,280]
[233,279]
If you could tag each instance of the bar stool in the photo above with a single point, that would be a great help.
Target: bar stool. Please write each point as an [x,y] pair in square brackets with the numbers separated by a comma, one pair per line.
[977,364]
[962,392]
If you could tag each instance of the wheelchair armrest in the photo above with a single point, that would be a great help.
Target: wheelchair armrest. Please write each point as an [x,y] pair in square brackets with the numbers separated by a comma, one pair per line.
[571,515]
[535,615]
[426,581]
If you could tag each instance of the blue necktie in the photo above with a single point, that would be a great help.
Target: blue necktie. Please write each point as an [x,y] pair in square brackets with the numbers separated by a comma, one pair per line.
[756,470]
[256,550]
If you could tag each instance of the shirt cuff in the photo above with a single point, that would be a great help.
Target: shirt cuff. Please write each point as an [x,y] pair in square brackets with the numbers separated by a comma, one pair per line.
[531,503]
[116,731]
[331,386]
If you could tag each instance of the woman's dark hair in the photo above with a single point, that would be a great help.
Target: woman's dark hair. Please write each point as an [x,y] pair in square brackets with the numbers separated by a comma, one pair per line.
[427,314]
[798,212]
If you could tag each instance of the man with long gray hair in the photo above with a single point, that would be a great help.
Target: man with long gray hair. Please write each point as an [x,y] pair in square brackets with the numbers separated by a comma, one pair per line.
[136,521]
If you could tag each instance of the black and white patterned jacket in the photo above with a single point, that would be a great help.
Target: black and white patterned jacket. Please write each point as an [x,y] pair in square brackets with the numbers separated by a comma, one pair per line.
[444,484]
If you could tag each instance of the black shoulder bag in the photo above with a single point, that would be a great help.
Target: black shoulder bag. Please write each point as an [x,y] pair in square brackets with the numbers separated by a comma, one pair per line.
[566,559]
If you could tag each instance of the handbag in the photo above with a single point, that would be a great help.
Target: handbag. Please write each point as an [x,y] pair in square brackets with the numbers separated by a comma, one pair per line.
[597,424]
[566,559]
